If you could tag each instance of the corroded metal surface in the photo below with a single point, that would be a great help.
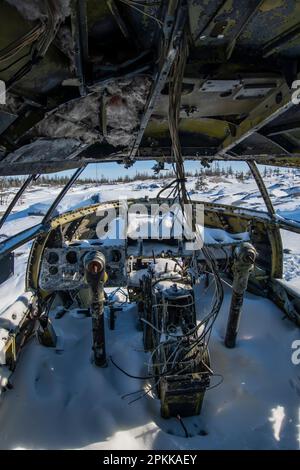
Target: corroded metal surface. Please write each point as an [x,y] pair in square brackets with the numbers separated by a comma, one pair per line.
[238,82]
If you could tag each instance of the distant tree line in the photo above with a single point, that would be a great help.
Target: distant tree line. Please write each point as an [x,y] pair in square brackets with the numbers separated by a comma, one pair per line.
[214,170]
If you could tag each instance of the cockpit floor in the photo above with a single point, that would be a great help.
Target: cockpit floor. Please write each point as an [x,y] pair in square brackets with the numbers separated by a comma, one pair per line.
[61,400]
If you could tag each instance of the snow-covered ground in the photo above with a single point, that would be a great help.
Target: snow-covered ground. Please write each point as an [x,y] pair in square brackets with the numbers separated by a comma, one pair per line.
[60,400]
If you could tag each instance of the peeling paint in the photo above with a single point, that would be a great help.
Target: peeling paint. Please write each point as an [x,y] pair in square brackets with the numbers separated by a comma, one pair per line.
[228,7]
[271,5]
[110,115]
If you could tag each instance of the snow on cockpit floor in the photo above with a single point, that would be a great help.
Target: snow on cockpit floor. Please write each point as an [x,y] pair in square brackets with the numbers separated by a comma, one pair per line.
[61,400]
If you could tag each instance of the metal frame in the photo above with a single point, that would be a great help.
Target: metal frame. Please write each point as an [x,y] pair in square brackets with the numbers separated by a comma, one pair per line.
[253,6]
[12,243]
[17,197]
[273,106]
[175,21]
[159,153]
[19,239]
[175,13]
[42,230]
[262,187]
[273,233]
[221,10]
[278,43]
[209,24]
[278,141]
[283,128]
[118,18]
[62,194]
[80,37]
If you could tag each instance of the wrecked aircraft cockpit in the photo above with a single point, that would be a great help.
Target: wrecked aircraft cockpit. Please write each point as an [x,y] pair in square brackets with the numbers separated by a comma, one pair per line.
[89,81]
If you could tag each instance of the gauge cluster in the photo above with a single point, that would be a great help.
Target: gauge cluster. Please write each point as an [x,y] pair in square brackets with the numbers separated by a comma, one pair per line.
[63,268]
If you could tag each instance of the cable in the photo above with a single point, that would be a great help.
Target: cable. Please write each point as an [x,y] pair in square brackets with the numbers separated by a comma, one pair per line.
[183,352]
[132,4]
[16,61]
[178,417]
[219,383]
[143,395]
[130,375]
[192,331]
[155,384]
[175,89]
[16,46]
[40,38]
[147,377]
[152,4]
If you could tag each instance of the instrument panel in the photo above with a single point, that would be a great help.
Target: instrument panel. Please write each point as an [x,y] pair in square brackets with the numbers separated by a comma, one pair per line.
[63,268]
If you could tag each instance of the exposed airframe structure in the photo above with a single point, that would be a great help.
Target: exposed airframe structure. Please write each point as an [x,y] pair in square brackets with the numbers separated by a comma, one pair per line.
[65,62]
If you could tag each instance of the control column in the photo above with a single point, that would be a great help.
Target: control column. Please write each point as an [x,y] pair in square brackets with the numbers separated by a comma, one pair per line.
[94,264]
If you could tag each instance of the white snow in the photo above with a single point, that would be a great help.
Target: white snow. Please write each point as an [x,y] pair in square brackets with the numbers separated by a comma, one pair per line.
[61,400]
[12,316]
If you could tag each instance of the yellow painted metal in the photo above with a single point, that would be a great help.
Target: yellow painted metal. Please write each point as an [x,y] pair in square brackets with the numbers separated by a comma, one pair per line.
[216,216]
[35,257]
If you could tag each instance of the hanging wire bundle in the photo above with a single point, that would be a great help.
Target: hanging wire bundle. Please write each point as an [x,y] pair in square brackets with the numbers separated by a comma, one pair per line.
[197,338]
[135,5]
[182,194]
[38,39]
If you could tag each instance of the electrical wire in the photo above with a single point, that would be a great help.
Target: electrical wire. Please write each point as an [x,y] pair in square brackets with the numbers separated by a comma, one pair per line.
[16,61]
[142,4]
[217,384]
[178,417]
[175,89]
[182,351]
[133,5]
[16,46]
[40,38]
[147,377]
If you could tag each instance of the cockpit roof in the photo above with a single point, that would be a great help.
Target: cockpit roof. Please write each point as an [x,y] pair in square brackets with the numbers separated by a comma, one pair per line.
[88,81]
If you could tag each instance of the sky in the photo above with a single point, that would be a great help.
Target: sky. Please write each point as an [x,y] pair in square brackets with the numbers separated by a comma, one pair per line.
[112,170]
